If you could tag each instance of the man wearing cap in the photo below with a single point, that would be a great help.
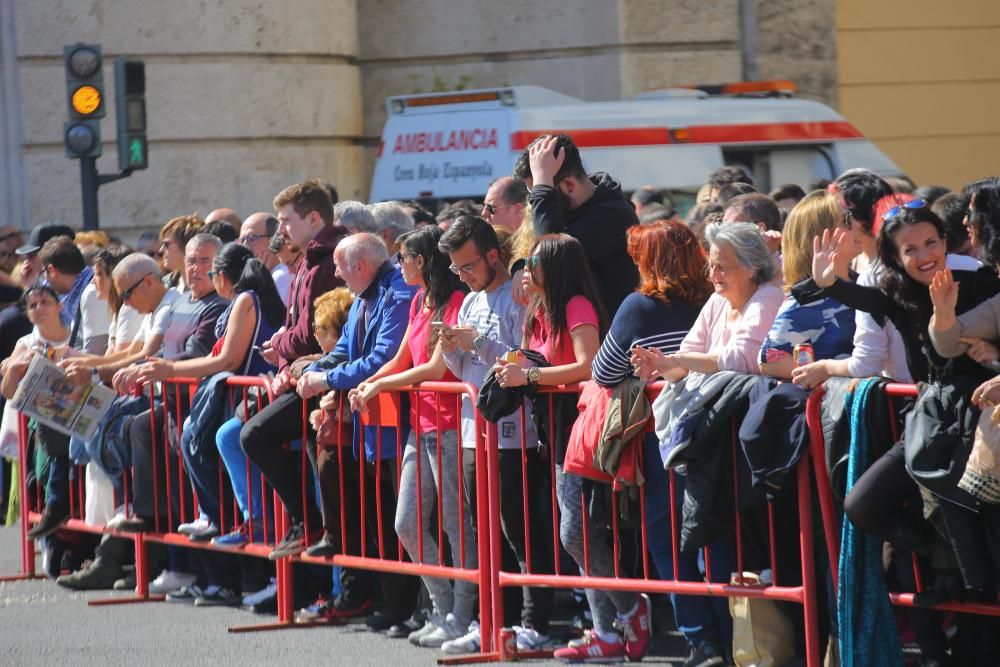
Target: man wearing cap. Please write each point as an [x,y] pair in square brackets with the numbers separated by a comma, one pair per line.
[31,270]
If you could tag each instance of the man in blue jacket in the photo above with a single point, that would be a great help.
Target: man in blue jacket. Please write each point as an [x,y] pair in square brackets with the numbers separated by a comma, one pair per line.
[373,333]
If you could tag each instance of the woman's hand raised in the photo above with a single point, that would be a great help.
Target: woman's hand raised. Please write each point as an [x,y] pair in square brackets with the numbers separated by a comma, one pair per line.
[944,296]
[830,256]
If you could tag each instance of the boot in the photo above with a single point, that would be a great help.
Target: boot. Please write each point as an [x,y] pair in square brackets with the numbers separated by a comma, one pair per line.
[100,575]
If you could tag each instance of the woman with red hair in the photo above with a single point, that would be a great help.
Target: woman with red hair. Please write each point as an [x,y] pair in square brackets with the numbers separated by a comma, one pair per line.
[673,287]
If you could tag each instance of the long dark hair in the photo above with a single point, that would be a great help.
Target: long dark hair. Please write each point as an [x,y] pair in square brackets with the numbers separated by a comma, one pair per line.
[895,282]
[106,260]
[566,274]
[440,281]
[246,272]
[984,217]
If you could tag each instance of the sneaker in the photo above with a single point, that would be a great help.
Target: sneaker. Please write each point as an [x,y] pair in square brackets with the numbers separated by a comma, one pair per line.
[380,622]
[443,632]
[98,575]
[205,534]
[239,537]
[170,581]
[196,526]
[529,639]
[591,648]
[403,630]
[217,596]
[126,583]
[467,643]
[325,548]
[269,591]
[637,628]
[328,610]
[186,594]
[130,524]
[293,543]
[428,627]
[704,654]
[52,518]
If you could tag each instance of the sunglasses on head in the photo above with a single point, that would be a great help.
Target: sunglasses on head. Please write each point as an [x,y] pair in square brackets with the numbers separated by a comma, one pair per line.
[896,210]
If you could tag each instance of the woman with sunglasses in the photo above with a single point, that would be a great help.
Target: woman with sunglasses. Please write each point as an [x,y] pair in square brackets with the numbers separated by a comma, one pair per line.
[254,313]
[430,459]
[564,323]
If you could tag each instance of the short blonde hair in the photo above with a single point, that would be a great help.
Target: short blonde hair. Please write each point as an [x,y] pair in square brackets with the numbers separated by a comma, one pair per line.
[331,310]
[93,237]
[815,213]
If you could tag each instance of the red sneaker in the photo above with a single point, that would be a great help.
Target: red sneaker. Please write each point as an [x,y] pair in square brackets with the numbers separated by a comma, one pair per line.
[592,649]
[638,629]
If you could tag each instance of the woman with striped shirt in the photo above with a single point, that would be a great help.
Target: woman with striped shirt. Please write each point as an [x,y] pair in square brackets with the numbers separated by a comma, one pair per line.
[673,287]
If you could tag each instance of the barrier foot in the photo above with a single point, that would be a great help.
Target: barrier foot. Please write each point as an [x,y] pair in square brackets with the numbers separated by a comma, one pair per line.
[494,656]
[20,577]
[285,625]
[132,599]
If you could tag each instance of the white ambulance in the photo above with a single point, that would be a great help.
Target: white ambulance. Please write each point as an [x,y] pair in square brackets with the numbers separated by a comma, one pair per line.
[452,145]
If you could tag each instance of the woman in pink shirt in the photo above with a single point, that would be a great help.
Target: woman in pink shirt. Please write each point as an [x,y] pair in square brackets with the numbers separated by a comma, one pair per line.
[732,326]
[430,460]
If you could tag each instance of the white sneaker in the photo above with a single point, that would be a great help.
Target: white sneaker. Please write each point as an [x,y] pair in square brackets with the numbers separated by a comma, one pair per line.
[429,626]
[467,643]
[170,581]
[199,525]
[446,631]
[529,639]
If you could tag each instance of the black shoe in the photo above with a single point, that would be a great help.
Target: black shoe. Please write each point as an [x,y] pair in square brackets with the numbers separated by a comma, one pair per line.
[704,654]
[186,594]
[293,543]
[217,596]
[52,518]
[403,630]
[266,606]
[99,575]
[324,548]
[133,524]
[52,557]
[379,622]
[126,583]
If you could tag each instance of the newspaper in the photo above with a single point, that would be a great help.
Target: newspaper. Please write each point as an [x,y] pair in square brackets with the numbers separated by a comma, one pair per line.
[48,396]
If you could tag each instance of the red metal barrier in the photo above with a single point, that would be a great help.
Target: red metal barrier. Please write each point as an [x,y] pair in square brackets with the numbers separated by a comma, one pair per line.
[831,525]
[803,594]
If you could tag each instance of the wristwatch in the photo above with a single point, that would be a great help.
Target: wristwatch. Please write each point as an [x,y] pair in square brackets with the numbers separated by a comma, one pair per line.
[478,342]
[534,374]
[95,376]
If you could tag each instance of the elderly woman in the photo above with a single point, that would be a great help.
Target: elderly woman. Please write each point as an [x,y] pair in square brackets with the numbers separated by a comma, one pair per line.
[732,326]
[827,324]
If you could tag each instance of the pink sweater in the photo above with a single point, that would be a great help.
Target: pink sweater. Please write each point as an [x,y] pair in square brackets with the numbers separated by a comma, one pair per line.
[738,347]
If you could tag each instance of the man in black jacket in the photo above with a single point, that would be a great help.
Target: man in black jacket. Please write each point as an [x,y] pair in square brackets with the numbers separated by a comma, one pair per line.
[592,209]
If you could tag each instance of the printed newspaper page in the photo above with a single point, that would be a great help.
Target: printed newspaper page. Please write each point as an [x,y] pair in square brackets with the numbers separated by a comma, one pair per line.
[46,395]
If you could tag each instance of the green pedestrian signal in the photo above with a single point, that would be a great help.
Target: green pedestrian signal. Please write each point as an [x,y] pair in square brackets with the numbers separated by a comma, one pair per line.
[136,152]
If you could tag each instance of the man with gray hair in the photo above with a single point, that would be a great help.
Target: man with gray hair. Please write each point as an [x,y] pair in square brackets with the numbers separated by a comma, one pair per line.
[355,216]
[391,220]
[371,337]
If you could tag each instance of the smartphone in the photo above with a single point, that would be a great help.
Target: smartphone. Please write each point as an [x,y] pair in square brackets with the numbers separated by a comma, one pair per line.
[440,327]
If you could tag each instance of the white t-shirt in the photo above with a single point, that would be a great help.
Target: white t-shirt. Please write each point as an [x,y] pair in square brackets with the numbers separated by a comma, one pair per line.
[156,322]
[126,326]
[283,281]
[94,316]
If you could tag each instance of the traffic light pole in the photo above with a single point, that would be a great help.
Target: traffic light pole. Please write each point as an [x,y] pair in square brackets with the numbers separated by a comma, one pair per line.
[90,181]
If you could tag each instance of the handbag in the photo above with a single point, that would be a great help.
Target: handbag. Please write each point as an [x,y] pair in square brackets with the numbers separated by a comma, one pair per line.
[982,471]
[762,634]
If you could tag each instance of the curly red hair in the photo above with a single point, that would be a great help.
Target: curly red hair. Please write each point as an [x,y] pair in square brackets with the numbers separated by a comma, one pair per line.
[671,262]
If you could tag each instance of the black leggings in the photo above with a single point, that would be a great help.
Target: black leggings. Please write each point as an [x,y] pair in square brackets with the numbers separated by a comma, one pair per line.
[885,503]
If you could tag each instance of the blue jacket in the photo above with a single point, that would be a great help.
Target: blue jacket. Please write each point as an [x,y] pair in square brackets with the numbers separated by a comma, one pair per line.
[358,355]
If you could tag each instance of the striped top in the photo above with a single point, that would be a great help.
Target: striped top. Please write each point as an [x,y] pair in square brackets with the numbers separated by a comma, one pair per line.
[644,321]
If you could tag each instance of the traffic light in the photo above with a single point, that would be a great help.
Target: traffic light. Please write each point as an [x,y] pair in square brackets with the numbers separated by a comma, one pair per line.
[130,107]
[85,99]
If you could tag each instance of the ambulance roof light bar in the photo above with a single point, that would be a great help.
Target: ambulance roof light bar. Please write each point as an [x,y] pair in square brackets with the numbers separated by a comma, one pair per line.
[772,88]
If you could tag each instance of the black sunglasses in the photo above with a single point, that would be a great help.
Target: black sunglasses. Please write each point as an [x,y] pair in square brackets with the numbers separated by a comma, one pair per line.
[127,294]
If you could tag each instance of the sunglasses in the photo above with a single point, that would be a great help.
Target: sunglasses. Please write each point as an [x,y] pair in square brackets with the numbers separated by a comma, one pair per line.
[400,256]
[211,274]
[127,294]
[493,208]
[896,210]
[533,261]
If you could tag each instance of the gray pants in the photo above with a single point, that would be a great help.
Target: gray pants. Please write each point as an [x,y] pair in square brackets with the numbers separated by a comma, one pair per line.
[603,604]
[460,601]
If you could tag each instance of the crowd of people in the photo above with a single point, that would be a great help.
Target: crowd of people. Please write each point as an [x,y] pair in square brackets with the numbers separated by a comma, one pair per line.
[555,279]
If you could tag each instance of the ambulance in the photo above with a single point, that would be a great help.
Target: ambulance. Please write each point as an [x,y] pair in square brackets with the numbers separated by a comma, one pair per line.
[448,146]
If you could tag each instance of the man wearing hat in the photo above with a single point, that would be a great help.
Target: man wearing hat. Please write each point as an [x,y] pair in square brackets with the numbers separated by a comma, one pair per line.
[31,269]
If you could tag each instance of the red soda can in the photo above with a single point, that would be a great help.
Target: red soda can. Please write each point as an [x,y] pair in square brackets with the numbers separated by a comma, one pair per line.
[508,645]
[803,354]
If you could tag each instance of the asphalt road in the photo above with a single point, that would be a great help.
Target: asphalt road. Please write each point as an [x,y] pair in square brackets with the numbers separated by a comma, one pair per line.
[44,624]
